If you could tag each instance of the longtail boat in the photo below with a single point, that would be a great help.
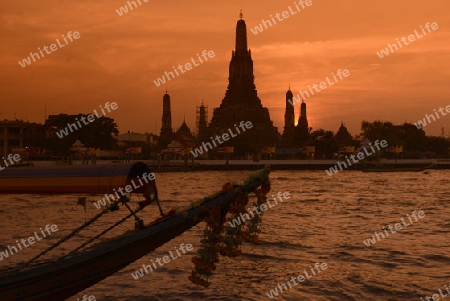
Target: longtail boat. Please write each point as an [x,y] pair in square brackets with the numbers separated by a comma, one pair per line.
[61,278]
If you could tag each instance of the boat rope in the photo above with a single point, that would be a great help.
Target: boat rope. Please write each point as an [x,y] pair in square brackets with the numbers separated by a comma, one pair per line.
[149,200]
[74,232]
[139,222]
[159,205]
[103,232]
[139,225]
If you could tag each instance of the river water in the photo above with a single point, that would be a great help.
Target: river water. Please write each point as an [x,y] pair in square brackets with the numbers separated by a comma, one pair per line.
[326,220]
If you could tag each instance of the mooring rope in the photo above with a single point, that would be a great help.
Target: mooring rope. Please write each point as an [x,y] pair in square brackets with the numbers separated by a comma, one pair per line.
[74,232]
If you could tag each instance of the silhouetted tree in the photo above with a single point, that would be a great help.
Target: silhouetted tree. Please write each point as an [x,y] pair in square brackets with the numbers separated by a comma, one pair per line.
[98,133]
[324,143]
[438,147]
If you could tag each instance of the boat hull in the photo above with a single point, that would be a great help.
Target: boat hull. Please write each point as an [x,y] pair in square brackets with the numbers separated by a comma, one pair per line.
[93,179]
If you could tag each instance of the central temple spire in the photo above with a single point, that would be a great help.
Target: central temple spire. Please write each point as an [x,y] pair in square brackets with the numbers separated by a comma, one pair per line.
[241,79]
[241,101]
[241,35]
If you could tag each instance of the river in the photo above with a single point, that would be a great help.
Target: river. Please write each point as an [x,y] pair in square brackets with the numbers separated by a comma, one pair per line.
[326,221]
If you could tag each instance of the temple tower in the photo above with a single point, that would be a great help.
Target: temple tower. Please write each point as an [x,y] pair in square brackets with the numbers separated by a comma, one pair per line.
[343,137]
[202,123]
[166,133]
[241,102]
[289,121]
[302,129]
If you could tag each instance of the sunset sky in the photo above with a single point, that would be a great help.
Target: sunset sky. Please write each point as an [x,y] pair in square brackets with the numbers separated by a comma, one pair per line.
[117,58]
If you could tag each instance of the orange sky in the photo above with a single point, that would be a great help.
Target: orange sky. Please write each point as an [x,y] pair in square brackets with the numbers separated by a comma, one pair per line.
[118,57]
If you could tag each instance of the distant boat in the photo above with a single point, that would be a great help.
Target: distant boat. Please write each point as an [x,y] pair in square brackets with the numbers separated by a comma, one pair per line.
[85,266]
[89,179]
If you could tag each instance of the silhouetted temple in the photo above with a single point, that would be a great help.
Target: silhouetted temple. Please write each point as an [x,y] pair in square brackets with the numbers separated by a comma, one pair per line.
[343,137]
[241,103]
[166,133]
[185,136]
[287,139]
[184,130]
[202,123]
[302,129]
[294,136]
